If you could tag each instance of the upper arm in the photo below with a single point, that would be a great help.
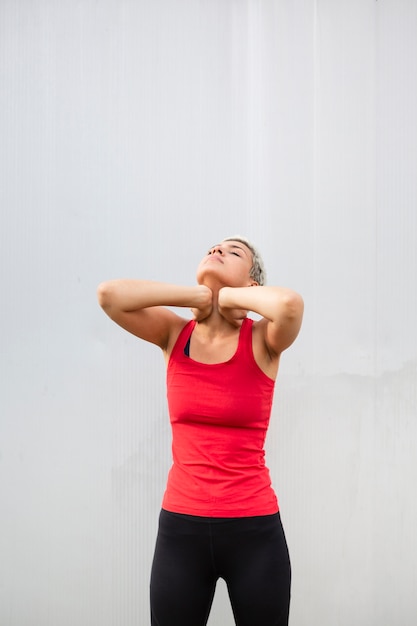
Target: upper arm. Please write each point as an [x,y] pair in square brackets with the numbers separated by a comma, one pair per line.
[154,324]
[140,307]
[282,329]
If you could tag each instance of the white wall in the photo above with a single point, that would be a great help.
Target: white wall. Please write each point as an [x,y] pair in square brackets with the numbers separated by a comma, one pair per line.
[134,135]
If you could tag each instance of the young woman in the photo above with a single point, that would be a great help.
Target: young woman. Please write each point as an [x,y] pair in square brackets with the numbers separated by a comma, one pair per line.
[220,515]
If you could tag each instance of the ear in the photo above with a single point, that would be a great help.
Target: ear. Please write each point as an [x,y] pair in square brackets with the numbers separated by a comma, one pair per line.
[253,283]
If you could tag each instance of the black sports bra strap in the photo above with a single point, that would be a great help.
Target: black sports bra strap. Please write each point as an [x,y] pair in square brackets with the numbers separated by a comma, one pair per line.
[187,347]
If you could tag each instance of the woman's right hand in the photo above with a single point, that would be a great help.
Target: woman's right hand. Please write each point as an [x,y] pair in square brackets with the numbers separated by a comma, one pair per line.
[142,306]
[203,310]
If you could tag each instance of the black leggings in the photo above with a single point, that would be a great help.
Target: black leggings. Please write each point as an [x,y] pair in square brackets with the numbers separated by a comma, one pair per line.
[191,553]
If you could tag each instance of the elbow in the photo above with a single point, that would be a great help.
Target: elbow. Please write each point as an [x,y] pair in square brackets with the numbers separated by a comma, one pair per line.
[104,295]
[294,305]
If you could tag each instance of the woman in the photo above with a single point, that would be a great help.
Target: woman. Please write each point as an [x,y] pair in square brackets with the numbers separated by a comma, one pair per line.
[220,515]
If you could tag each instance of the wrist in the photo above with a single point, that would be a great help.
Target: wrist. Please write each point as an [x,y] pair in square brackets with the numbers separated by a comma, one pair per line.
[224,296]
[204,297]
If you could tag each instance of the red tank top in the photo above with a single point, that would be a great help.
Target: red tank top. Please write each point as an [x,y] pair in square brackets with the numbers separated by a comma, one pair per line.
[219,416]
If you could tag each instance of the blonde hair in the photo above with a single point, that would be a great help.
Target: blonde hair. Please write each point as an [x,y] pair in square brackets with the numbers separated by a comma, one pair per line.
[257,272]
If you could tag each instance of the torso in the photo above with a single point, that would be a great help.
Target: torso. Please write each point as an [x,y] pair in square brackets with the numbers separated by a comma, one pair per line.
[220,348]
[213,350]
[219,414]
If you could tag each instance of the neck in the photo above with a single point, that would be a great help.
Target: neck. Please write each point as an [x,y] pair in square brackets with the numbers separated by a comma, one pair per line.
[216,325]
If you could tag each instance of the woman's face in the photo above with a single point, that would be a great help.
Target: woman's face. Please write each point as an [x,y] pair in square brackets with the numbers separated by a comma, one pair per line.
[228,263]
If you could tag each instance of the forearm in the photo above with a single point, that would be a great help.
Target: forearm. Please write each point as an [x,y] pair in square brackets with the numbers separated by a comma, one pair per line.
[131,295]
[273,303]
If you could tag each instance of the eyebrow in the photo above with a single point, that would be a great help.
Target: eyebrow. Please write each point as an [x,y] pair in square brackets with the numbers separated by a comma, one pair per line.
[233,245]
[230,245]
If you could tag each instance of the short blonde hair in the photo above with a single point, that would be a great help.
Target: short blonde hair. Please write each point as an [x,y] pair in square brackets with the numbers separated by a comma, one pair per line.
[257,272]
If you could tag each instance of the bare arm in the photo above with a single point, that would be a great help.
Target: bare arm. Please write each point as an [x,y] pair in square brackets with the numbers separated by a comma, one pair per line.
[280,308]
[138,306]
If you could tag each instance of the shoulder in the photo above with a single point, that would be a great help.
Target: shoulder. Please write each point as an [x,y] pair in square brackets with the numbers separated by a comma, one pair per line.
[177,325]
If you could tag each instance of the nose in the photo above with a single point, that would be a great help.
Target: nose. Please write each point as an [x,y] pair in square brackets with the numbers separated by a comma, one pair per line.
[217,249]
